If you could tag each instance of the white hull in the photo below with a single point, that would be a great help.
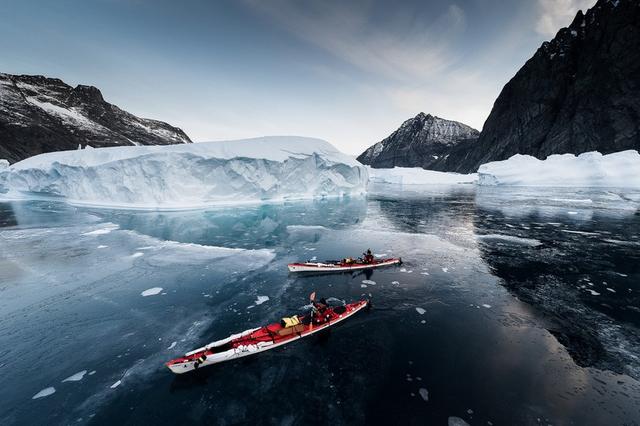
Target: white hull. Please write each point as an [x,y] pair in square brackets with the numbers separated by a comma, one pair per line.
[328,267]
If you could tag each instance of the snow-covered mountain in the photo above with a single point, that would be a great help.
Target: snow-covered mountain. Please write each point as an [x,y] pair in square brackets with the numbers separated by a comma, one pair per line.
[579,92]
[40,114]
[423,141]
[188,176]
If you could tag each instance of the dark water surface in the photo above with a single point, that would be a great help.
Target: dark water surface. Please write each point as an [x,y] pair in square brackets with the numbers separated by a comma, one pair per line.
[512,307]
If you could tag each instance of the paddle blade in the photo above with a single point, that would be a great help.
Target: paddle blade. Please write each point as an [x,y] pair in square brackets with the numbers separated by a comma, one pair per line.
[312,297]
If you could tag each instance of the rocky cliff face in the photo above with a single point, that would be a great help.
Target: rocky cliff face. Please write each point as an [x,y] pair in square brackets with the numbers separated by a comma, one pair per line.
[39,114]
[579,92]
[423,141]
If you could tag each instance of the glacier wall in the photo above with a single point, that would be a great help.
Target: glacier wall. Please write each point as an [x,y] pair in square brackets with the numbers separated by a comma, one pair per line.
[188,176]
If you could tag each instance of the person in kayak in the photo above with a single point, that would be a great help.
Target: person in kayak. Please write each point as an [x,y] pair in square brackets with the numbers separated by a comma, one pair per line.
[318,310]
[368,256]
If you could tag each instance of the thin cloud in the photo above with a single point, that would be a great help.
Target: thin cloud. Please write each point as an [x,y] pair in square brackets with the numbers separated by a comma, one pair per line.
[555,14]
[403,48]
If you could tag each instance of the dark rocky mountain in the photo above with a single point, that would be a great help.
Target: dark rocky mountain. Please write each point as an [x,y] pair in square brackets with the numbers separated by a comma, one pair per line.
[579,92]
[40,114]
[423,141]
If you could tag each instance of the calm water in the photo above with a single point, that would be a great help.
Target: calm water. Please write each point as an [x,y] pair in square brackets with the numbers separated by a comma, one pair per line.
[529,311]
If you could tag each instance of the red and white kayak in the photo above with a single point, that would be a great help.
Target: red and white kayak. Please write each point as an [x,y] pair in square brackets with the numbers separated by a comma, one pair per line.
[262,339]
[341,266]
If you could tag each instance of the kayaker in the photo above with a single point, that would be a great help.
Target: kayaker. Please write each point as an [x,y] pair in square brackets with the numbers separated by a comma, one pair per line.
[368,256]
[319,308]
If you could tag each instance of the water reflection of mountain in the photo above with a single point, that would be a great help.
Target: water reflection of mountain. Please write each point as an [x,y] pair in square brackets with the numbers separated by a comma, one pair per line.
[242,226]
[575,263]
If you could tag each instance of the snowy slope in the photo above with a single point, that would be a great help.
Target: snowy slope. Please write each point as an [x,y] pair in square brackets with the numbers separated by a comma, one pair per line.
[189,175]
[591,169]
[40,114]
[418,176]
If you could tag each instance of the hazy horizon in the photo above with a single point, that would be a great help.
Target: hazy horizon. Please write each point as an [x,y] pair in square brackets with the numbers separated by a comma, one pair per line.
[347,73]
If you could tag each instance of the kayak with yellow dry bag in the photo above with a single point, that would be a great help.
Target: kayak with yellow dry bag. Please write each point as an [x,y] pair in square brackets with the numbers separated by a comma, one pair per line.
[256,340]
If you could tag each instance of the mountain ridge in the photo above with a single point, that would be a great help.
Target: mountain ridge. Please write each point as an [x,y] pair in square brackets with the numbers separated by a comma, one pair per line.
[41,114]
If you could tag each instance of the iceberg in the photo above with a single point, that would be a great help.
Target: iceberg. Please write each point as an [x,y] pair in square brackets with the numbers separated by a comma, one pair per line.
[591,169]
[188,175]
[418,176]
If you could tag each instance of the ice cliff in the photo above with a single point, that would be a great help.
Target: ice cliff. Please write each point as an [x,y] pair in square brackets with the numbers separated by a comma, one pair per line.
[591,169]
[189,175]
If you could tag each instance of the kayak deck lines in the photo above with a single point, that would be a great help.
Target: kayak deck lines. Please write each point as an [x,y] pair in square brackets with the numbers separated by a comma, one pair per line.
[261,339]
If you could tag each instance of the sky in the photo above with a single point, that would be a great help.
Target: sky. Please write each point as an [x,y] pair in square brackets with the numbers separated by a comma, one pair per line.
[349,72]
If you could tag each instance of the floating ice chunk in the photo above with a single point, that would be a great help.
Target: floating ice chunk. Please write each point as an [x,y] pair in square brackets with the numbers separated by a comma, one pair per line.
[510,239]
[424,394]
[44,392]
[572,213]
[102,246]
[611,290]
[370,282]
[172,345]
[137,254]
[424,273]
[403,269]
[76,377]
[151,291]
[420,311]
[395,282]
[92,372]
[486,306]
[116,384]
[102,231]
[423,322]
[593,292]
[445,270]
[261,299]
[456,421]
[363,285]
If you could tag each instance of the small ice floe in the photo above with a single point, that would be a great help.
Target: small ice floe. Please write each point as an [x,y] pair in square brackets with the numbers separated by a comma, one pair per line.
[572,213]
[137,254]
[108,228]
[445,270]
[92,372]
[456,421]
[370,282]
[420,311]
[116,384]
[423,322]
[314,258]
[621,274]
[403,269]
[261,299]
[101,246]
[424,394]
[424,273]
[469,411]
[151,291]
[395,282]
[593,292]
[363,286]
[611,290]
[484,305]
[172,345]
[76,377]
[44,392]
